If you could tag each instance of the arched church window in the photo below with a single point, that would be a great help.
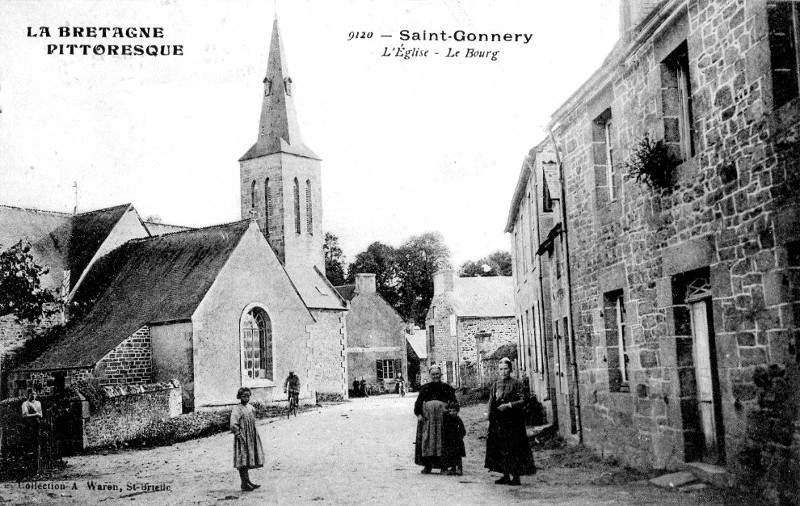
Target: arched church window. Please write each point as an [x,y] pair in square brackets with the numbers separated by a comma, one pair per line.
[253,195]
[296,206]
[309,210]
[256,346]
[267,205]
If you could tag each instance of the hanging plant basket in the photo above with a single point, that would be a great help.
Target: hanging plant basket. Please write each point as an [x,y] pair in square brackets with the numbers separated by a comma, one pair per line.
[651,163]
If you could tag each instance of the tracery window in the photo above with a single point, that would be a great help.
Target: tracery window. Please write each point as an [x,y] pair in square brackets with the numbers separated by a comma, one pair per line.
[256,337]
[296,206]
[309,209]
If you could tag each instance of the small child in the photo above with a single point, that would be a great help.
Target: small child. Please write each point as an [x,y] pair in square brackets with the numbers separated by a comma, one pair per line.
[453,433]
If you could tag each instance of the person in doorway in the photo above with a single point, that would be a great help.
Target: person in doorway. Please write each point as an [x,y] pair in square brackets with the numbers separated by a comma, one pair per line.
[507,448]
[248,453]
[433,399]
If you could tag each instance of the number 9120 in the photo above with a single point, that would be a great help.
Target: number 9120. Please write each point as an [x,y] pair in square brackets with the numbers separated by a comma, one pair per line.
[359,35]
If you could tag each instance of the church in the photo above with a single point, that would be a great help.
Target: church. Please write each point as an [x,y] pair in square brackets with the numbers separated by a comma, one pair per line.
[217,308]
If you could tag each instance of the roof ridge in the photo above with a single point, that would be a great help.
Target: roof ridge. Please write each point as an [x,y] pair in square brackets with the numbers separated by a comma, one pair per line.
[189,230]
[62,213]
[168,225]
[104,209]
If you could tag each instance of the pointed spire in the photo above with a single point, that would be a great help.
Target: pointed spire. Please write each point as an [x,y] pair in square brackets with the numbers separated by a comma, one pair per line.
[279,131]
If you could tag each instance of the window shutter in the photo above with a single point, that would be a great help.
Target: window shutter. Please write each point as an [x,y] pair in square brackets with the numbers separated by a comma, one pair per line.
[398,367]
[379,369]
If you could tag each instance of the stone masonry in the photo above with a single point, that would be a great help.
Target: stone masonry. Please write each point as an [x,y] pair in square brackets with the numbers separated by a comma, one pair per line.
[725,229]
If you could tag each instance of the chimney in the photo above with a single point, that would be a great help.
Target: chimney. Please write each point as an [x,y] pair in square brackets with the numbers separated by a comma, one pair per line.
[443,282]
[365,283]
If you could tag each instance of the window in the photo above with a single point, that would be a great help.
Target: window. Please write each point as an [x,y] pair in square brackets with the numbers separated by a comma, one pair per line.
[521,342]
[267,206]
[547,199]
[296,206]
[617,355]
[783,19]
[253,195]
[523,221]
[676,94]
[603,151]
[388,368]
[532,217]
[557,252]
[309,211]
[256,331]
[431,341]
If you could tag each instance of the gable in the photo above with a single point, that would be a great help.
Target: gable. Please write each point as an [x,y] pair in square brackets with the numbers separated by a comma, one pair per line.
[153,280]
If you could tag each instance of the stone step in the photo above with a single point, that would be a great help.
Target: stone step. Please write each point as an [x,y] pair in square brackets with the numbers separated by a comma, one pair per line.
[674,480]
[717,476]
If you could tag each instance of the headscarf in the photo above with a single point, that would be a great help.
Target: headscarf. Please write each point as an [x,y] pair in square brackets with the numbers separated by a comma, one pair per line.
[434,366]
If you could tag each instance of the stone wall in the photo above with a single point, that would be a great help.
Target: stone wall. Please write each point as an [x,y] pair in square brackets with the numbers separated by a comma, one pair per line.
[129,363]
[329,357]
[445,341]
[126,412]
[484,335]
[730,216]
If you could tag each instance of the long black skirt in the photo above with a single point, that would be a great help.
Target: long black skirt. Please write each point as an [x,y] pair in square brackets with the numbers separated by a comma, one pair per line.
[508,450]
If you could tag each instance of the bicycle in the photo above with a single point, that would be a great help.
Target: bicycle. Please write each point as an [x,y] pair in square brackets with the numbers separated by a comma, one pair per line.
[293,402]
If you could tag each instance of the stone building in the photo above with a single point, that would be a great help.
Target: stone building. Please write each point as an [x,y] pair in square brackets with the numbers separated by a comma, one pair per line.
[216,308]
[682,309]
[376,342]
[417,357]
[533,213]
[281,186]
[468,317]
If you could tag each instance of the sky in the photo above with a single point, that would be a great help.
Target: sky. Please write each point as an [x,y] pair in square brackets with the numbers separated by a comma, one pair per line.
[431,143]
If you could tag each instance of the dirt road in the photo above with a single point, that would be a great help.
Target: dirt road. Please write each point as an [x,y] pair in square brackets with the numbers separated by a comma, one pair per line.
[359,452]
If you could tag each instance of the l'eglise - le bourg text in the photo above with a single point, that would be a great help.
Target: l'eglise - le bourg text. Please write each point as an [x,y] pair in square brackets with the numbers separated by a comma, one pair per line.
[456,36]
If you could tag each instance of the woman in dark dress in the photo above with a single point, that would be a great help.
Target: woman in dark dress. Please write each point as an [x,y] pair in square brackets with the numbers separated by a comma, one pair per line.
[507,448]
[431,404]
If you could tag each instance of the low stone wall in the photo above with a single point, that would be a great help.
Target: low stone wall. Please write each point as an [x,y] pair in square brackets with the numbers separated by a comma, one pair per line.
[126,411]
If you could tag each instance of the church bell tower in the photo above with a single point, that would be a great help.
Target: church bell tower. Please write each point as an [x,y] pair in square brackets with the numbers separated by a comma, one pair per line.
[280,175]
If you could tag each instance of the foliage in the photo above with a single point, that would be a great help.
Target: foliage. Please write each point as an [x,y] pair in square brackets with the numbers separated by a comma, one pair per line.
[496,264]
[381,260]
[404,275]
[418,259]
[334,260]
[651,163]
[21,293]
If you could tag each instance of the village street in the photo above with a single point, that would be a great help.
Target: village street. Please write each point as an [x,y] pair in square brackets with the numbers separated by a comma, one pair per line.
[357,452]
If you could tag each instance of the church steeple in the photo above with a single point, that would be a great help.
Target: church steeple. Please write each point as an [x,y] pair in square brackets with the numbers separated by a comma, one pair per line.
[278,130]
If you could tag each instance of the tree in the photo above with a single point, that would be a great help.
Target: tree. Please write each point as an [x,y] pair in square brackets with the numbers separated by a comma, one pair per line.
[334,260]
[21,293]
[495,264]
[419,258]
[379,259]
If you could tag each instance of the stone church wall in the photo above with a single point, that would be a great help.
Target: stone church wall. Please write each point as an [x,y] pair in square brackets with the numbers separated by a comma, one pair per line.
[329,357]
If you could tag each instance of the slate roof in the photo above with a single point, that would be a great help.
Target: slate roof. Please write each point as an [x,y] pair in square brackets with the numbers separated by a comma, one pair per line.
[314,288]
[347,292]
[47,232]
[162,228]
[490,296]
[89,230]
[504,351]
[144,281]
[59,241]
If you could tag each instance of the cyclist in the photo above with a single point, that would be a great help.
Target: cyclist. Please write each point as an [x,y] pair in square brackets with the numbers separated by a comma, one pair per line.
[292,387]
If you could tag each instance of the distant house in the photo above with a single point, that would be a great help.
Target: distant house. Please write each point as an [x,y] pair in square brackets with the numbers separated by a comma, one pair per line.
[376,342]
[417,356]
[211,307]
[468,316]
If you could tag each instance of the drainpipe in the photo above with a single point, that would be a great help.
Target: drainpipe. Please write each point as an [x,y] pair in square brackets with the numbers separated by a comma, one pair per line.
[565,237]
